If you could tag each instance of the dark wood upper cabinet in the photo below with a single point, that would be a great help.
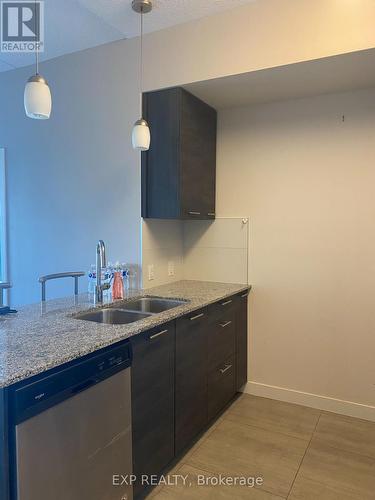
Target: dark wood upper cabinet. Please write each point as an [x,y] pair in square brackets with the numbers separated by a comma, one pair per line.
[179,170]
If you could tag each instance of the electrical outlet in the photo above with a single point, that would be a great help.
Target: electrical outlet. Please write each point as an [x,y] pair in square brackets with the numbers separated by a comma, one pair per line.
[151,272]
[171,268]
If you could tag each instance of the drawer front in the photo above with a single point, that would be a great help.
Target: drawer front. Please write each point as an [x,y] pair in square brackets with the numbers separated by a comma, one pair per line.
[223,311]
[221,386]
[222,339]
[153,400]
[191,377]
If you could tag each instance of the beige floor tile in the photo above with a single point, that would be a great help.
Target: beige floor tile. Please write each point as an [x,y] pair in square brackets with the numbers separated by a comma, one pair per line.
[331,474]
[184,458]
[173,470]
[241,450]
[346,433]
[307,489]
[194,491]
[277,416]
[154,492]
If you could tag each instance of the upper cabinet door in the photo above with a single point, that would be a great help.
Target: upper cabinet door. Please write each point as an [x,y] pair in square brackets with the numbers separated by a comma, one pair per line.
[160,165]
[179,170]
[198,158]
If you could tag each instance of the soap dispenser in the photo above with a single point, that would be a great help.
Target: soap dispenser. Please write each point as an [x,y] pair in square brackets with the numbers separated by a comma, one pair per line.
[118,284]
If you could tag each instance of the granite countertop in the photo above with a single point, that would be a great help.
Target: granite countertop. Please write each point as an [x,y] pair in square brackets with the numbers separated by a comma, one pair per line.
[38,337]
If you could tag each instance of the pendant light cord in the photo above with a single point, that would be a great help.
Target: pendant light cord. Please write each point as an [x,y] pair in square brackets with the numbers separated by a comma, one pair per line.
[37,33]
[141,59]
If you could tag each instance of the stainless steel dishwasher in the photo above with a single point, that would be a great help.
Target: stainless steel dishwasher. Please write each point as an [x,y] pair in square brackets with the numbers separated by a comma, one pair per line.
[72,431]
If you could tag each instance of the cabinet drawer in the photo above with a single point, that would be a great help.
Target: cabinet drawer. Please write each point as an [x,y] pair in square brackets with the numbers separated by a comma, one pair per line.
[222,339]
[221,386]
[223,310]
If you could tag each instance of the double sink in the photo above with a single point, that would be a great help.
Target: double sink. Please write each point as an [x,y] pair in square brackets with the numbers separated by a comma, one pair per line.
[130,311]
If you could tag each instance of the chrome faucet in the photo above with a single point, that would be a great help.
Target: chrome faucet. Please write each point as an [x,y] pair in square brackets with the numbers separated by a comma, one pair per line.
[101,262]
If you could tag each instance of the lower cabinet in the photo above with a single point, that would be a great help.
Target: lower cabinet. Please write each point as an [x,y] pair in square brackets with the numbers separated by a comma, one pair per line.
[4,448]
[191,377]
[153,401]
[221,386]
[183,374]
[221,359]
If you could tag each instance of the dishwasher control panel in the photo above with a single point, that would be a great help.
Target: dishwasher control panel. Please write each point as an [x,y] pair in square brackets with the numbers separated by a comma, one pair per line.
[66,381]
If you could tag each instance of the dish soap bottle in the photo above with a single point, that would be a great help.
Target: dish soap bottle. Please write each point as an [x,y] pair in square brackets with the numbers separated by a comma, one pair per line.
[118,285]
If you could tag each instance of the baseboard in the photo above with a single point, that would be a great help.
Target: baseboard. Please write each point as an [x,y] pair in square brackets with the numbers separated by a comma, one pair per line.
[348,408]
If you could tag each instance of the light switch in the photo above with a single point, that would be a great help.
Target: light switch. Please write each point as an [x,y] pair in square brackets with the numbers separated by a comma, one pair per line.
[151,272]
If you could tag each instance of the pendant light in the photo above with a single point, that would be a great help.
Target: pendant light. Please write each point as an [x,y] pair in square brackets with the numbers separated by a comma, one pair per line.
[37,96]
[141,136]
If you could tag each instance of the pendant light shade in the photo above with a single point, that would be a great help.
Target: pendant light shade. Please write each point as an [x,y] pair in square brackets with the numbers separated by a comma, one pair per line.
[141,136]
[37,98]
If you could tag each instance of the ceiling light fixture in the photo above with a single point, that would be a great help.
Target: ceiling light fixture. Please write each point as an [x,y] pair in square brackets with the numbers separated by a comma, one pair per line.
[141,136]
[37,96]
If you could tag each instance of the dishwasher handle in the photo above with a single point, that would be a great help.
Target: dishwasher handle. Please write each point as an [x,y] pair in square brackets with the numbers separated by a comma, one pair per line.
[85,385]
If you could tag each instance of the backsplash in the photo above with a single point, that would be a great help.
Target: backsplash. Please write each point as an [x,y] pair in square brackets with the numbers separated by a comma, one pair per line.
[217,250]
[195,250]
[162,244]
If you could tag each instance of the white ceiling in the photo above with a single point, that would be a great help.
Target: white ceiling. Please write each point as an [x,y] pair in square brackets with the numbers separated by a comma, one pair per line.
[355,70]
[73,25]
[165,13]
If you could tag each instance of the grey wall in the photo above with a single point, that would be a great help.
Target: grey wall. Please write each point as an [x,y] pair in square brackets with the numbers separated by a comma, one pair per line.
[74,178]
[306,178]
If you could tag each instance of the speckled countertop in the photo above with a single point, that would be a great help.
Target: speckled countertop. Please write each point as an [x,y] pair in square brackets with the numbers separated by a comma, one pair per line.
[35,339]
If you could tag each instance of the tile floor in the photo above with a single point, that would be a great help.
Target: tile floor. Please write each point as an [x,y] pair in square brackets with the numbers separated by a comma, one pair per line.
[300,453]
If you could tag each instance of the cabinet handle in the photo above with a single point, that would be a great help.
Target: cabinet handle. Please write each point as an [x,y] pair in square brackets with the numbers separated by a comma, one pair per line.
[158,334]
[226,303]
[211,214]
[194,213]
[223,370]
[227,323]
[244,295]
[197,316]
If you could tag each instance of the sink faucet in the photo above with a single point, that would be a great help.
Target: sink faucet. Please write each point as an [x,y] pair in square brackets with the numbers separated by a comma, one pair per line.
[101,262]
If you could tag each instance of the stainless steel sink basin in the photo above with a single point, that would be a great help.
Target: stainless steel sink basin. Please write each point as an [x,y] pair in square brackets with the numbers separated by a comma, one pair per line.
[151,305]
[128,312]
[110,316]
